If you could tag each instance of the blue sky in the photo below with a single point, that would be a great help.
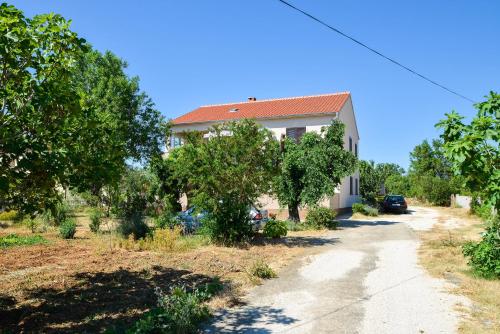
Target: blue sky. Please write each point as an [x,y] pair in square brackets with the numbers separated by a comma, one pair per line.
[190,53]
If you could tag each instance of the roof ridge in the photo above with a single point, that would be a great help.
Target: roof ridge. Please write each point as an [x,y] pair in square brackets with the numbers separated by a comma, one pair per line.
[275,99]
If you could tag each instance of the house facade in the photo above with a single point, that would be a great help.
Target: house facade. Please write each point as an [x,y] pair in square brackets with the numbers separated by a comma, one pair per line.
[290,117]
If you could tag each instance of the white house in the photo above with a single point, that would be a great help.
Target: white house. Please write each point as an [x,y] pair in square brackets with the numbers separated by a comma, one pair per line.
[290,117]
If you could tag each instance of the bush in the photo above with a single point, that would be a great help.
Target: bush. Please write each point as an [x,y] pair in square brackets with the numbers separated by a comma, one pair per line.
[178,312]
[31,223]
[229,224]
[67,229]
[364,209]
[60,212]
[133,225]
[166,220]
[17,240]
[297,226]
[8,215]
[484,256]
[95,220]
[261,269]
[275,229]
[322,218]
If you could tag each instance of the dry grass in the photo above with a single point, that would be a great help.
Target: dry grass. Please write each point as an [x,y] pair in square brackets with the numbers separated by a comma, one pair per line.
[441,255]
[105,284]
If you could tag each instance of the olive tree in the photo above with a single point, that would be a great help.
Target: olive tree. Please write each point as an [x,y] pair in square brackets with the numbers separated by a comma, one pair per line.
[312,169]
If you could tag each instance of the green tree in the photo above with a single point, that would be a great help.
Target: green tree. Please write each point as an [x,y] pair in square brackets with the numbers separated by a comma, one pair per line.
[227,173]
[473,148]
[38,106]
[398,184]
[120,123]
[373,177]
[313,168]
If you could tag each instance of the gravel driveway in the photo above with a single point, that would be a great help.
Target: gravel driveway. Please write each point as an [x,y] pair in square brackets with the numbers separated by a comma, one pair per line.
[364,280]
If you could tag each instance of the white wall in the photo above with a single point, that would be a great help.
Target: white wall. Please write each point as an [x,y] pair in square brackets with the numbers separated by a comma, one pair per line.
[312,123]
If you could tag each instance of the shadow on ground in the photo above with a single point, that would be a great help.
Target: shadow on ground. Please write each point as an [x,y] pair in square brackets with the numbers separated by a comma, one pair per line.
[98,301]
[294,241]
[243,320]
[358,223]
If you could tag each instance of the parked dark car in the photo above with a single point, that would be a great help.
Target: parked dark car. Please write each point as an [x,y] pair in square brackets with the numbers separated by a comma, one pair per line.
[394,203]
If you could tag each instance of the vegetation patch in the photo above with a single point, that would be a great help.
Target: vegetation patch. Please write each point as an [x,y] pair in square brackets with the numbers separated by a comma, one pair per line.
[364,209]
[21,240]
[67,229]
[8,215]
[275,229]
[441,254]
[321,217]
[261,269]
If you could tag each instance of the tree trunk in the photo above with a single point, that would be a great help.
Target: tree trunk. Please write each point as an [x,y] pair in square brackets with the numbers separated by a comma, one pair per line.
[293,213]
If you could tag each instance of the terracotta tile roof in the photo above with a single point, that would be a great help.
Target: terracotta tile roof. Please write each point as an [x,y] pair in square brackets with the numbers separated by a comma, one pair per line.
[273,108]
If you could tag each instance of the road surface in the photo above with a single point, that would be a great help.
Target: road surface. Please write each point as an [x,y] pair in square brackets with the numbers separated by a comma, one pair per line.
[366,279]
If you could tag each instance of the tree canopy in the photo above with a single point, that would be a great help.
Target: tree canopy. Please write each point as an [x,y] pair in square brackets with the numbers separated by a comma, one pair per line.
[313,168]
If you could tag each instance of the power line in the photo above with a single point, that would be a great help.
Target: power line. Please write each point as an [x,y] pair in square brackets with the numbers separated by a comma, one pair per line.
[375,51]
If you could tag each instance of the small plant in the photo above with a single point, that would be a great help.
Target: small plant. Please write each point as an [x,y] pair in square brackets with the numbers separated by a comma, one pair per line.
[60,212]
[484,256]
[8,215]
[18,240]
[133,225]
[261,269]
[67,228]
[180,311]
[297,226]
[364,209]
[321,217]
[275,229]
[95,220]
[31,223]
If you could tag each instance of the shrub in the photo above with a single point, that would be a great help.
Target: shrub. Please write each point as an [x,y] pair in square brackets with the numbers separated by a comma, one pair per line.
[95,220]
[297,226]
[261,269]
[322,218]
[275,229]
[228,225]
[31,223]
[17,240]
[364,209]
[133,225]
[484,256]
[178,312]
[67,229]
[166,220]
[60,212]
[8,215]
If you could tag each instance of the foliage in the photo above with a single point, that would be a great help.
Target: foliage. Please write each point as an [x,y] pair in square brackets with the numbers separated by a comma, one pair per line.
[169,186]
[398,184]
[31,224]
[60,211]
[430,175]
[374,176]
[39,106]
[95,220]
[18,240]
[261,269]
[364,209]
[121,123]
[298,226]
[226,174]
[321,217]
[275,229]
[313,168]
[482,210]
[133,225]
[8,215]
[473,148]
[484,256]
[166,220]
[67,228]
[178,312]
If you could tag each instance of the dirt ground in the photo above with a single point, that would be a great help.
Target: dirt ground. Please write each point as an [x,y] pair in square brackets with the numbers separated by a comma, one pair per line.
[83,285]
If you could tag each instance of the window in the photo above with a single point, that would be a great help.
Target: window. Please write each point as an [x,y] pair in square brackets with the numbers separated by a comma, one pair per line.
[175,141]
[350,186]
[295,133]
[356,189]
[356,150]
[350,144]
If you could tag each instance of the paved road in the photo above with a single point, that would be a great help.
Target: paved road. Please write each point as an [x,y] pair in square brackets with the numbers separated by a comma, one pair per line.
[365,279]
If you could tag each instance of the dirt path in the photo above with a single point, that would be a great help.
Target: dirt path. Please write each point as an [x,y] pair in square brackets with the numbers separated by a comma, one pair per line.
[366,280]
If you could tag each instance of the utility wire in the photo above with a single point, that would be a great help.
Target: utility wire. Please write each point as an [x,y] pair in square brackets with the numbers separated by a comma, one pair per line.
[375,51]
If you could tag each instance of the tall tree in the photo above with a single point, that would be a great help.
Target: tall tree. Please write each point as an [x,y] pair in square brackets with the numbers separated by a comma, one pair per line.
[474,150]
[313,168]
[120,122]
[38,106]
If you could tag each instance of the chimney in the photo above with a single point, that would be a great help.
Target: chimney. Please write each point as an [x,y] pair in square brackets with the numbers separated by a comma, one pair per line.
[252,98]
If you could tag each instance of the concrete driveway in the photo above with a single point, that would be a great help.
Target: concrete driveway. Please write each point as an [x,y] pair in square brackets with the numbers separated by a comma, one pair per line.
[365,279]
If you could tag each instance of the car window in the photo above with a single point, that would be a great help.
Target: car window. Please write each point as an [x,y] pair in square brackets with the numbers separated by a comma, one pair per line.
[396,198]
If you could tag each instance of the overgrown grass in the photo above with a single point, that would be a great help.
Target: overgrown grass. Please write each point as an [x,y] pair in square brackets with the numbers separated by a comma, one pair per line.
[8,215]
[441,254]
[12,240]
[364,209]
[164,240]
[260,270]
